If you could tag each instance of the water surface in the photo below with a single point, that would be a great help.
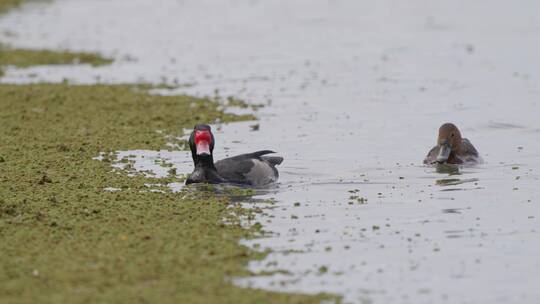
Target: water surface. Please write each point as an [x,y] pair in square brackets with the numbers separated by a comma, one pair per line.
[356,91]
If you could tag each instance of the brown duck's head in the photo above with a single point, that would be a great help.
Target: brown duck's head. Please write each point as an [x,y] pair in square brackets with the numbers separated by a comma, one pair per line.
[449,141]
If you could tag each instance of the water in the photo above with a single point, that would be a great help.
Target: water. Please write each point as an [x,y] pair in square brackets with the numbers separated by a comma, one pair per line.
[357,90]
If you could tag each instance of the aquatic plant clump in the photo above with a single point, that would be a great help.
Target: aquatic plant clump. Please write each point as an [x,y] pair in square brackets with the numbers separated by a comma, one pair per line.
[23,58]
[9,4]
[65,238]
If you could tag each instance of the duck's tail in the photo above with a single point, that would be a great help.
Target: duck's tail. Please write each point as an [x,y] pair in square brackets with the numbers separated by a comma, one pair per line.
[273,160]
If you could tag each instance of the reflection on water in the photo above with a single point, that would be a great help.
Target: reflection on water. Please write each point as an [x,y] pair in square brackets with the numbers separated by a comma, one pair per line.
[502,125]
[448,169]
[357,91]
[455,181]
[451,210]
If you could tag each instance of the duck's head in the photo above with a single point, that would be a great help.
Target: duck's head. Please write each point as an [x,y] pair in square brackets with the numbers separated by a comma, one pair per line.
[201,143]
[449,141]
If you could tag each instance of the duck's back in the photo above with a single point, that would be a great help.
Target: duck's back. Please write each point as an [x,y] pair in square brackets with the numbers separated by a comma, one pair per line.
[253,169]
[469,154]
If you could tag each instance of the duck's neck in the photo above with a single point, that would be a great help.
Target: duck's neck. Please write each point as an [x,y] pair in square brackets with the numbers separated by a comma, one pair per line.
[204,162]
[205,167]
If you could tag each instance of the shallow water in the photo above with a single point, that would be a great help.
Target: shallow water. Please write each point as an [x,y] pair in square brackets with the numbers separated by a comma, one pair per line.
[357,91]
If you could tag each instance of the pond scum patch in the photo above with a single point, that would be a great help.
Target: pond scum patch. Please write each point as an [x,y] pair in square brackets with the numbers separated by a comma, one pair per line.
[23,58]
[9,4]
[65,239]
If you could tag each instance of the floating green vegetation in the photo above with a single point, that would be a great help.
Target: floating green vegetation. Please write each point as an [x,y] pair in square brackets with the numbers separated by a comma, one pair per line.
[235,102]
[355,198]
[5,5]
[23,58]
[64,239]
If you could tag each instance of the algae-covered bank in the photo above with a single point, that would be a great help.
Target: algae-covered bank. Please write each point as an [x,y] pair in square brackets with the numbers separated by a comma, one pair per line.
[23,58]
[63,239]
[8,4]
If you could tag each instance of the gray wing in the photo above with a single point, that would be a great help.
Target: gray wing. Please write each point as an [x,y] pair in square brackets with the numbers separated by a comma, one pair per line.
[468,148]
[234,170]
[431,156]
[469,152]
[252,168]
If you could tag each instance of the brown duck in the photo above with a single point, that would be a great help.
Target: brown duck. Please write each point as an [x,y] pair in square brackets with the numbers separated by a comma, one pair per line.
[451,148]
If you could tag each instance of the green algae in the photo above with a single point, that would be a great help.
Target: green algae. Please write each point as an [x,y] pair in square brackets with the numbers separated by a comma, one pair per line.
[235,102]
[6,5]
[64,239]
[23,58]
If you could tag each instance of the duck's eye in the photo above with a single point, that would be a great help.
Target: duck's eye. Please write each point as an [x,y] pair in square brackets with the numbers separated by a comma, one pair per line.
[452,135]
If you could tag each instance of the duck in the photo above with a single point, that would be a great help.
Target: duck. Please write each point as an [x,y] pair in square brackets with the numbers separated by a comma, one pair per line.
[255,169]
[452,148]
